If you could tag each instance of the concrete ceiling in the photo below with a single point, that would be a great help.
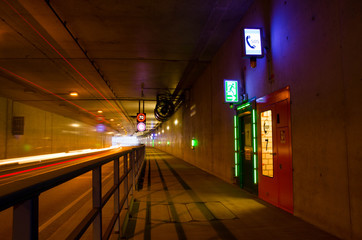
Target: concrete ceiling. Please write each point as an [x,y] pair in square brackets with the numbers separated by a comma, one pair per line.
[114,53]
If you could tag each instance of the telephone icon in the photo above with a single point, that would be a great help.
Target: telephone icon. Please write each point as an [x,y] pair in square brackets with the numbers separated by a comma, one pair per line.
[247,41]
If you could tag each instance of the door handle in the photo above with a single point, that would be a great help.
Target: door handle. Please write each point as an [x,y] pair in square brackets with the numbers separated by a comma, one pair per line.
[280,166]
[274,154]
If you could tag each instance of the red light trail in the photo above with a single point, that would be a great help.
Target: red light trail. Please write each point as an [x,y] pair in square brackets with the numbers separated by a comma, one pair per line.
[71,65]
[42,167]
[44,89]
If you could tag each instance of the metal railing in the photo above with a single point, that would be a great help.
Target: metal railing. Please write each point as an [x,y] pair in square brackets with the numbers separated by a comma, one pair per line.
[23,195]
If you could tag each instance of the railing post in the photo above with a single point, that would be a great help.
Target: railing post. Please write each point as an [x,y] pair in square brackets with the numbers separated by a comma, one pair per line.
[26,220]
[140,158]
[136,161]
[116,193]
[125,182]
[133,170]
[143,154]
[97,201]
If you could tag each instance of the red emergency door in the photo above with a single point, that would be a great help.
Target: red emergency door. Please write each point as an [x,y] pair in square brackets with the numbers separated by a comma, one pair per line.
[275,158]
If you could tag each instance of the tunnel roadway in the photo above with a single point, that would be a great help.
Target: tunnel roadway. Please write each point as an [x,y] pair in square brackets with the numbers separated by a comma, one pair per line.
[64,206]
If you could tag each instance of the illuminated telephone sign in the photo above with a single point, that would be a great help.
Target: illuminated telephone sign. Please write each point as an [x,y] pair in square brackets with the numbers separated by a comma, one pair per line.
[252,42]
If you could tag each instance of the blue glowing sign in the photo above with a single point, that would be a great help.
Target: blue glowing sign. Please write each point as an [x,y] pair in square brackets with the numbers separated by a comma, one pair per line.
[253,46]
[231,90]
[100,128]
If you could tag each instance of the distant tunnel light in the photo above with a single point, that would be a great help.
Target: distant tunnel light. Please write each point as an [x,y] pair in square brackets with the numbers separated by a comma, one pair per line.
[176,122]
[168,127]
[73,94]
[125,141]
[194,143]
[75,125]
[99,111]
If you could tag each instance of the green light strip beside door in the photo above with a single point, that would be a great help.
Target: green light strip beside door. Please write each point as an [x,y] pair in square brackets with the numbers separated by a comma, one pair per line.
[255,146]
[236,138]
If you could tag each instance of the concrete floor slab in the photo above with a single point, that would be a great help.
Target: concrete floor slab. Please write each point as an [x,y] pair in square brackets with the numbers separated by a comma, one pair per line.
[183,214]
[159,213]
[219,210]
[179,201]
[198,213]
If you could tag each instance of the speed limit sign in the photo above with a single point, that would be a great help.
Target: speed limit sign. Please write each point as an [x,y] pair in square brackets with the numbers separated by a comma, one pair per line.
[141,117]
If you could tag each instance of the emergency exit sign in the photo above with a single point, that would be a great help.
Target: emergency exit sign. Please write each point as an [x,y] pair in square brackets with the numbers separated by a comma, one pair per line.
[231,90]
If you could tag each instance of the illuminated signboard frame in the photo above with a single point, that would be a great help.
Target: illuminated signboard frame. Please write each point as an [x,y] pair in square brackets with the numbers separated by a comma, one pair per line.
[141,126]
[235,96]
[141,117]
[252,42]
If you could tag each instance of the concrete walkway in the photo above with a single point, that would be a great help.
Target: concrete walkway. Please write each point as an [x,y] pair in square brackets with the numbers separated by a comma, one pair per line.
[179,201]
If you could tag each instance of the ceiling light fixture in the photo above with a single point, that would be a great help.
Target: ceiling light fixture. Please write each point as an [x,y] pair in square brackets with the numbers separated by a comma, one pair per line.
[46,90]
[73,94]
[99,111]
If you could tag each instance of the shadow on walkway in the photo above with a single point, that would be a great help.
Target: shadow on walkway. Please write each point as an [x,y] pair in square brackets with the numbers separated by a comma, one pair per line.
[176,200]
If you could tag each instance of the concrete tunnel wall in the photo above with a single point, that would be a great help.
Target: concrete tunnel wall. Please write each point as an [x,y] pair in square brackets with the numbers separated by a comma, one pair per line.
[44,132]
[315,49]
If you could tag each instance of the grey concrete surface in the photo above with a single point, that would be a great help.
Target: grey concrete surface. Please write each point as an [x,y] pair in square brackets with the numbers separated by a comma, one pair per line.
[179,201]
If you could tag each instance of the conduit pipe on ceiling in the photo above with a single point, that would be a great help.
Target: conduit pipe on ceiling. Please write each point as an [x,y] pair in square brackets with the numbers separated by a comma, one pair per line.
[85,52]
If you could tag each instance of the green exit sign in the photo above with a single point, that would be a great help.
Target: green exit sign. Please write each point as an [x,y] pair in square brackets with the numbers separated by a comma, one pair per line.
[231,90]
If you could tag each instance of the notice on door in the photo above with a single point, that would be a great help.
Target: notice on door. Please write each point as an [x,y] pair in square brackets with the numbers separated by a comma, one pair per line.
[248,153]
[282,136]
